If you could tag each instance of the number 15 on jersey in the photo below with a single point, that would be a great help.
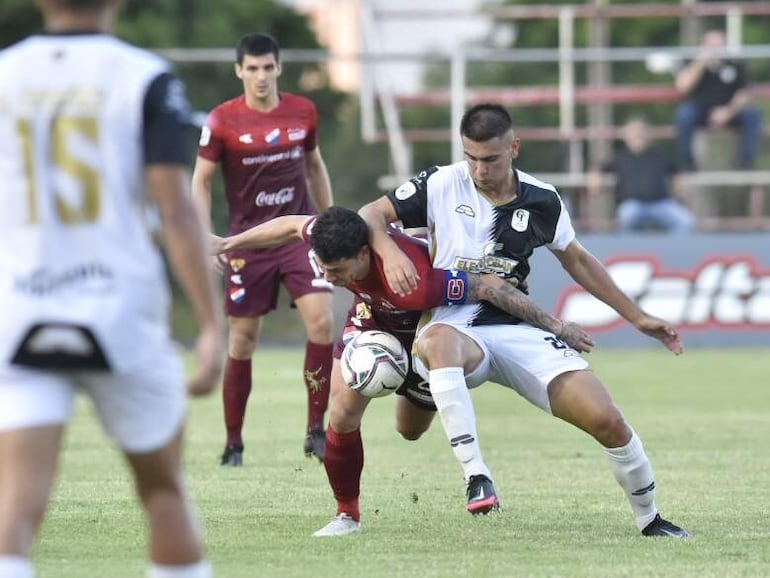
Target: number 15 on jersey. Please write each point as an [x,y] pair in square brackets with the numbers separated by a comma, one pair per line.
[66,146]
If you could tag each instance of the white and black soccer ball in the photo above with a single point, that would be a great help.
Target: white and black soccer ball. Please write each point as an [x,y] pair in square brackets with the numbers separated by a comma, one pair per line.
[374,363]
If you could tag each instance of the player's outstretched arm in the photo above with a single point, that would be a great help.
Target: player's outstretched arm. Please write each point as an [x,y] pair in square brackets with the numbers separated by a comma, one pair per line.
[273,233]
[506,296]
[399,269]
[590,274]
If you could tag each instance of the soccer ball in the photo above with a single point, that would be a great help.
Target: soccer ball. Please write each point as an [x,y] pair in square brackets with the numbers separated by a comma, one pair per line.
[374,363]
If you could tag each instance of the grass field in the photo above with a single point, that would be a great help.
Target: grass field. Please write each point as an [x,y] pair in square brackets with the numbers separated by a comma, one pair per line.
[704,418]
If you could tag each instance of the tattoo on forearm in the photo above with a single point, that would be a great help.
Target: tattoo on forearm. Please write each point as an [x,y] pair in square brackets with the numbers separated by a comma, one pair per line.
[506,297]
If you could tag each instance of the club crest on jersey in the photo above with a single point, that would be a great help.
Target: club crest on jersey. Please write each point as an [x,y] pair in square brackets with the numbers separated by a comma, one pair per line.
[237,264]
[363,311]
[405,191]
[246,138]
[465,210]
[273,136]
[520,220]
[296,134]
[237,295]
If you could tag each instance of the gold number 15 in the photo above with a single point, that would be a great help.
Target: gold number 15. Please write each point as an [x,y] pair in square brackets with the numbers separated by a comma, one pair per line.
[62,130]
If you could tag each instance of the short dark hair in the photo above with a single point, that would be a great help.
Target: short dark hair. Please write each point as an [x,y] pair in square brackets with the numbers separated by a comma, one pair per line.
[256,45]
[483,122]
[338,233]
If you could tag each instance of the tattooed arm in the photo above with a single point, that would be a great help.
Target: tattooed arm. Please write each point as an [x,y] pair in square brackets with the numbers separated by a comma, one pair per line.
[506,296]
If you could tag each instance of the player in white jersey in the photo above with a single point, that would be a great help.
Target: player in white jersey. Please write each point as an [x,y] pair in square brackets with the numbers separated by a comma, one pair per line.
[88,122]
[485,216]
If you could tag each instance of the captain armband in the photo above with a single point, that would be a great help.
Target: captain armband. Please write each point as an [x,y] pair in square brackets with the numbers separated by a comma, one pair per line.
[455,287]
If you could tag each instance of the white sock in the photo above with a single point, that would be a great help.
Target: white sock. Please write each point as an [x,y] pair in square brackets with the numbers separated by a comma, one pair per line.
[633,471]
[455,408]
[200,569]
[16,567]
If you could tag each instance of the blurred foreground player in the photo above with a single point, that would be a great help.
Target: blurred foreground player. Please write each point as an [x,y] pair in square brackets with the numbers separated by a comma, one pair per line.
[87,122]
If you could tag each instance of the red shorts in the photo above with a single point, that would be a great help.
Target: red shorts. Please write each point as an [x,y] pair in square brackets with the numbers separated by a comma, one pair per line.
[253,278]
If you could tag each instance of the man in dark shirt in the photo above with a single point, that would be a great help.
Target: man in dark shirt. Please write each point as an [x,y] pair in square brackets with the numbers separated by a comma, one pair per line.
[646,181]
[714,90]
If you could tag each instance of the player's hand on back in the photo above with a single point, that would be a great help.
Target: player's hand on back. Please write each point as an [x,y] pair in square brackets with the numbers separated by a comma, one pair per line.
[400,271]
[576,337]
[216,250]
[209,359]
[216,244]
[219,262]
[661,330]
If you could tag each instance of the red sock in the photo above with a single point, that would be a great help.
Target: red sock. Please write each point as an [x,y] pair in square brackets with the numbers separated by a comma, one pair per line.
[235,394]
[344,462]
[317,374]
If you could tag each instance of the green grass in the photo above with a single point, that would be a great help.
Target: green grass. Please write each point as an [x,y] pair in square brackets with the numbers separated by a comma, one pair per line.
[704,419]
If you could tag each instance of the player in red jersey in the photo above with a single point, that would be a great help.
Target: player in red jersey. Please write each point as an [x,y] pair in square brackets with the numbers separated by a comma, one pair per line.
[266,143]
[339,238]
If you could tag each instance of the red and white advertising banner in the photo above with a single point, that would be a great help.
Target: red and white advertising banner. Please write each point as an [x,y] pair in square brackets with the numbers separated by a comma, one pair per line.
[715,288]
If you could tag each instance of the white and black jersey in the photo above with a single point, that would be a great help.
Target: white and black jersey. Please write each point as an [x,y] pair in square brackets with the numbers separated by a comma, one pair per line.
[81,116]
[466,232]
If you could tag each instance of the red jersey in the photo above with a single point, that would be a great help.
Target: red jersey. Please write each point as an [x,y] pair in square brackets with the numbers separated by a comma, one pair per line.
[263,156]
[393,312]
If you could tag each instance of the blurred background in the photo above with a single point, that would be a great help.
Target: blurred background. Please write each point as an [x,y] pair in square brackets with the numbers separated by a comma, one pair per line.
[391,78]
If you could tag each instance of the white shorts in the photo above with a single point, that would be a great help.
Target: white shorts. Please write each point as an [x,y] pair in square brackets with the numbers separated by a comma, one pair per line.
[142,410]
[521,357]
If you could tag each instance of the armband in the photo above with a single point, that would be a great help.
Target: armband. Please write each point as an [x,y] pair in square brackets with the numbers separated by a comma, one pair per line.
[455,287]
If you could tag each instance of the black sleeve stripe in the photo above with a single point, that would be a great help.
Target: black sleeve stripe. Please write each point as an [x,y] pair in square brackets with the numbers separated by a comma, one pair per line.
[167,122]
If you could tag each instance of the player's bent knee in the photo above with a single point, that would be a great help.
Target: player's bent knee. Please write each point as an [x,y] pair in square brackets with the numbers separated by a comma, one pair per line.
[433,336]
[161,492]
[321,329]
[343,421]
[409,434]
[241,345]
[443,346]
[412,423]
[611,430]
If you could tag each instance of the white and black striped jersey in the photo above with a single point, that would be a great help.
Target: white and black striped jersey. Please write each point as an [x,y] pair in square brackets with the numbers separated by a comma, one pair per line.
[466,232]
[81,115]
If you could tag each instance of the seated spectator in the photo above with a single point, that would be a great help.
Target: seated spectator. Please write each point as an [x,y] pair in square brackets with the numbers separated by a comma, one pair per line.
[715,95]
[646,179]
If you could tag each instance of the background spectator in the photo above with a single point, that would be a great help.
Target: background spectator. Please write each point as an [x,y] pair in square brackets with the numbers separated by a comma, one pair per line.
[715,94]
[648,183]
